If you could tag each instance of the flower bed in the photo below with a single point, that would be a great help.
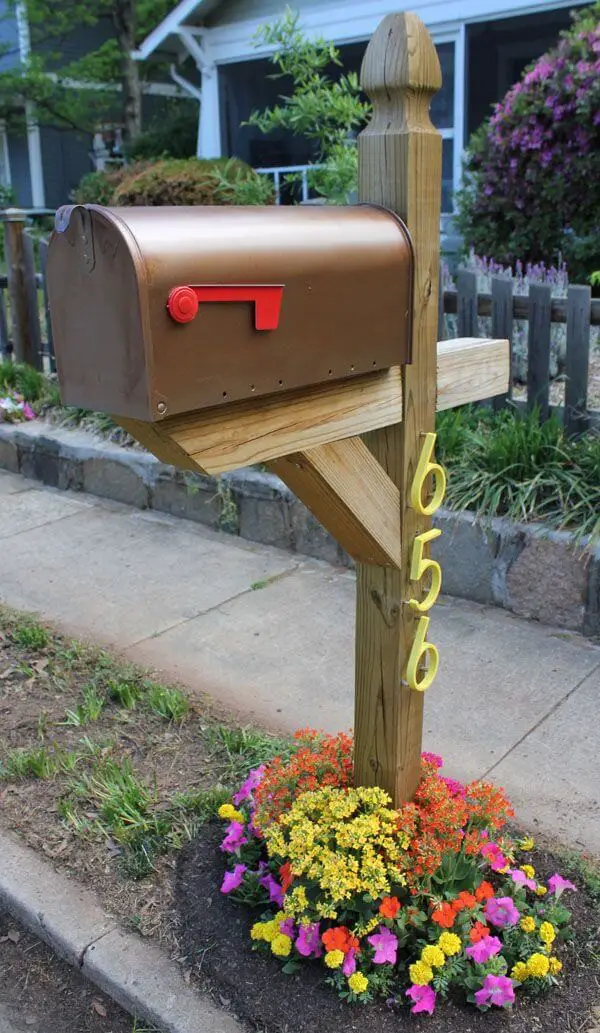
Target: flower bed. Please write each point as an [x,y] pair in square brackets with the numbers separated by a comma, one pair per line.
[413,905]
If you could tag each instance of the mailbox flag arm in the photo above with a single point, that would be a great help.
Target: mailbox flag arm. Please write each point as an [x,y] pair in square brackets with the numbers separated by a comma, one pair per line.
[183,302]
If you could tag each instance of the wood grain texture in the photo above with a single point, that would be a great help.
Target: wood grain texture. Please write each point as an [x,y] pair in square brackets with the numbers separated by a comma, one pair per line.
[578,359]
[470,369]
[400,156]
[153,437]
[258,430]
[349,492]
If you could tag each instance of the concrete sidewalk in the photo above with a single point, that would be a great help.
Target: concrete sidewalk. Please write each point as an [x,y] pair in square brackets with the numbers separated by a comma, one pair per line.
[272,635]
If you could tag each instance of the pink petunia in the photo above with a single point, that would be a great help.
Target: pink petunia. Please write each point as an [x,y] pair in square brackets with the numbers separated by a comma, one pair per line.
[485,949]
[494,856]
[385,944]
[558,885]
[308,943]
[496,990]
[233,880]
[433,758]
[501,911]
[424,998]
[234,838]
[520,879]
[287,928]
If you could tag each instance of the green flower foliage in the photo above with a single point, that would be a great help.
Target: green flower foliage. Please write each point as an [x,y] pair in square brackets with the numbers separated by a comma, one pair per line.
[530,167]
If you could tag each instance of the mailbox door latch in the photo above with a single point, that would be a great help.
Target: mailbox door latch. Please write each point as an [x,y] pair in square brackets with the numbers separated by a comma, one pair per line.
[183,302]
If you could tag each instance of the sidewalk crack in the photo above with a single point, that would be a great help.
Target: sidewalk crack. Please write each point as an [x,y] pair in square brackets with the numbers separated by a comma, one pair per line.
[542,720]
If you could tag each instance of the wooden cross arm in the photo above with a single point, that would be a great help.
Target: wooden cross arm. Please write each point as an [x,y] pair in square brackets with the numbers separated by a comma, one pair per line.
[258,431]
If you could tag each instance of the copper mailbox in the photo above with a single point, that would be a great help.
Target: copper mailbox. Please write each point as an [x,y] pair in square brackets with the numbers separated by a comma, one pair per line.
[158,311]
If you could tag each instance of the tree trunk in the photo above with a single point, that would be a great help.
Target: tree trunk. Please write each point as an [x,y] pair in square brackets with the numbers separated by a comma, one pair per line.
[124,19]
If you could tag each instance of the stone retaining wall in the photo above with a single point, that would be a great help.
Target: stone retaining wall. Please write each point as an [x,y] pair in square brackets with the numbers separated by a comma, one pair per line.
[527,569]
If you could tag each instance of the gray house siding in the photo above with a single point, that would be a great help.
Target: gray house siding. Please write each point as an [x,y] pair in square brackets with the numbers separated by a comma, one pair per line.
[242,10]
[65,159]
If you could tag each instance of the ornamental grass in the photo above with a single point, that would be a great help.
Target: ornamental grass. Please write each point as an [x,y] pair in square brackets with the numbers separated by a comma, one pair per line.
[411,904]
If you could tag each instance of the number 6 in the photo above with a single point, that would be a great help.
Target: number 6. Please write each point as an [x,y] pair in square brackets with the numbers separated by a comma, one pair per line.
[424,468]
[419,567]
[419,649]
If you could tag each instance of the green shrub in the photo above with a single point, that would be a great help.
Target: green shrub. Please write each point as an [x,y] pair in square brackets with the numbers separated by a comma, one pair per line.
[175,136]
[529,170]
[99,187]
[189,181]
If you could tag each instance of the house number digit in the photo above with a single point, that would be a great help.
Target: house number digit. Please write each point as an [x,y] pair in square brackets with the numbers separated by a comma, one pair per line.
[419,567]
[424,468]
[424,658]
[421,649]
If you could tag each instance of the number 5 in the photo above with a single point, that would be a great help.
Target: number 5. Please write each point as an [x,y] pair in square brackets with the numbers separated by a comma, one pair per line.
[419,567]
[419,650]
[424,468]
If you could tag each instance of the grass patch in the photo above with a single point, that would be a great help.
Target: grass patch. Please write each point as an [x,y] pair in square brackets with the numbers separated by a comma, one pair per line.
[510,464]
[30,635]
[237,750]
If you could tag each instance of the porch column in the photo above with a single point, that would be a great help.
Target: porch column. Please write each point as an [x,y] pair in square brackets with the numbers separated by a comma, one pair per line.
[209,125]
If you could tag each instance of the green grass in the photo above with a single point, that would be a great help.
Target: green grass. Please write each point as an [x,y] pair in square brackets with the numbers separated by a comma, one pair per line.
[29,634]
[237,750]
[88,710]
[510,464]
[36,762]
[170,704]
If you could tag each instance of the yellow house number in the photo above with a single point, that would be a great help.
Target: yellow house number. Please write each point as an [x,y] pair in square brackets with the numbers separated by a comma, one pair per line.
[421,651]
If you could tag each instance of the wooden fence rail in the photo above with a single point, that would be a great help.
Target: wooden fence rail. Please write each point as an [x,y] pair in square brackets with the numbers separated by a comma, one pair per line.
[26,332]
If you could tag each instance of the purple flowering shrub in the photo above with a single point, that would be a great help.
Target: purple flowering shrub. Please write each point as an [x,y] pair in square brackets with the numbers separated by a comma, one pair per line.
[530,168]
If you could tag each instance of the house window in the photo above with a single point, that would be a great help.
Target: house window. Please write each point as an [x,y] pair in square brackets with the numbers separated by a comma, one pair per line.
[443,118]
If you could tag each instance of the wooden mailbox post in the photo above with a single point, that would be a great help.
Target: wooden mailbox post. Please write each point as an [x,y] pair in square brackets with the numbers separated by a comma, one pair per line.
[323,365]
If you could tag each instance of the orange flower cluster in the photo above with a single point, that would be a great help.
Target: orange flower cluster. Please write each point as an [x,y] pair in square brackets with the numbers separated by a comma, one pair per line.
[479,932]
[488,806]
[319,761]
[444,916]
[389,907]
[340,939]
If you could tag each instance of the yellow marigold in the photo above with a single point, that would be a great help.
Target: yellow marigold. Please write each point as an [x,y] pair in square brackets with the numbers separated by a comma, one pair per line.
[333,959]
[228,812]
[450,943]
[529,870]
[538,965]
[547,933]
[527,843]
[257,931]
[420,973]
[527,924]
[541,891]
[358,983]
[520,972]
[270,930]
[281,945]
[554,966]
[433,956]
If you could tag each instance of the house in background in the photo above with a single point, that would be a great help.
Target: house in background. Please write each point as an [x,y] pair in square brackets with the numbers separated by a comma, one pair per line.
[41,163]
[483,46]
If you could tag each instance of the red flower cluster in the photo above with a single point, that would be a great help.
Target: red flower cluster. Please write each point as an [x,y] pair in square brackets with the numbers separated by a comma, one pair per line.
[340,939]
[320,761]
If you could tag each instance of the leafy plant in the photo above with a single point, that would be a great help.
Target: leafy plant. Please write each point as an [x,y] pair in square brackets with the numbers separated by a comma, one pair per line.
[324,110]
[23,379]
[169,704]
[240,749]
[528,168]
[30,635]
[88,710]
[189,181]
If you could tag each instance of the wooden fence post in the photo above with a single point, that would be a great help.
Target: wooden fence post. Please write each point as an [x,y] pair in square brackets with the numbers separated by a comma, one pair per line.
[22,290]
[400,156]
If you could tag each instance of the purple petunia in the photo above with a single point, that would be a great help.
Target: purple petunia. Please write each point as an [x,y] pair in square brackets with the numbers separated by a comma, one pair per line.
[233,880]
[234,838]
[385,944]
[308,943]
[496,990]
[424,998]
[349,966]
[558,885]
[485,949]
[247,788]
[273,888]
[501,911]
[520,879]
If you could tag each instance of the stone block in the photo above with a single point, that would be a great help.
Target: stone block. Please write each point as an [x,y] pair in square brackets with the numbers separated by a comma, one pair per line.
[115,479]
[186,495]
[548,581]
[9,455]
[40,459]
[466,551]
[310,538]
[591,624]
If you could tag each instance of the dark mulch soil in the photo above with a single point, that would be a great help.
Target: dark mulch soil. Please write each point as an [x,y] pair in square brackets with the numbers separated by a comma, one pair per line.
[214,934]
[40,994]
